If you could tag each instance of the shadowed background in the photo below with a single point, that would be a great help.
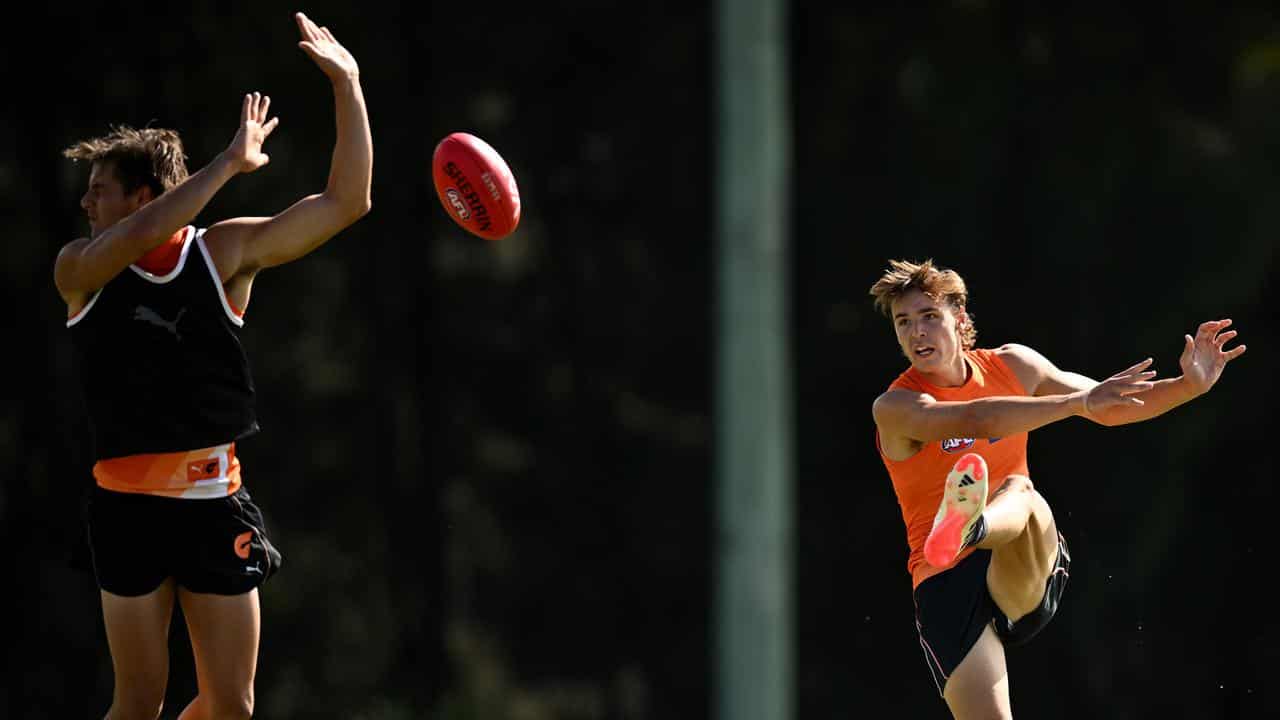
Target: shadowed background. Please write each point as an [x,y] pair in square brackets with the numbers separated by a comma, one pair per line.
[489,465]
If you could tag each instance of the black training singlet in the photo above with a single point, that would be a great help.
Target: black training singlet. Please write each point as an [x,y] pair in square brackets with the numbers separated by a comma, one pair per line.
[160,360]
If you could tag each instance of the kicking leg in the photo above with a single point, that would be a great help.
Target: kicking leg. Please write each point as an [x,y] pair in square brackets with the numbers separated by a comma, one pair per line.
[224,632]
[1023,539]
[138,637]
[1015,524]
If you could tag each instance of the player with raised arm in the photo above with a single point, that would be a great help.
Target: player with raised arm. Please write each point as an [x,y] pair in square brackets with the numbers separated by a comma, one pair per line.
[988,565]
[154,309]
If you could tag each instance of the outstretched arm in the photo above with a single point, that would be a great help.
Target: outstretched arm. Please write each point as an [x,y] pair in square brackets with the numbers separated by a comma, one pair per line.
[88,264]
[921,418]
[242,246]
[1203,360]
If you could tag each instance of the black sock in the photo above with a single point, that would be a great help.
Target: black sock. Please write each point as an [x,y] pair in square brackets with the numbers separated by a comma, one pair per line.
[977,533]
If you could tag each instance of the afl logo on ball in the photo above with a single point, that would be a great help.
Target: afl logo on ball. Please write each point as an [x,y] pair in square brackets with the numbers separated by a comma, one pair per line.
[951,445]
[455,199]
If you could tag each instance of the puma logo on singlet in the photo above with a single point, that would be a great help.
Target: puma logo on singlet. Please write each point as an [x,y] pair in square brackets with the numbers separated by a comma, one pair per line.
[146,314]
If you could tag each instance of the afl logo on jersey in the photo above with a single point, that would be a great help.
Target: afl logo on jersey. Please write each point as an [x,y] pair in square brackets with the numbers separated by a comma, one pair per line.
[951,445]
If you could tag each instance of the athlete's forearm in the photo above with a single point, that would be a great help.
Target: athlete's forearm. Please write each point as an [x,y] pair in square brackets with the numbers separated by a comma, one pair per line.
[1002,416]
[351,170]
[1163,396]
[921,418]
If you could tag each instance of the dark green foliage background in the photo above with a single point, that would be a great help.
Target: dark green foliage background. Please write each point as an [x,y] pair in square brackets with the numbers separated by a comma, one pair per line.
[489,465]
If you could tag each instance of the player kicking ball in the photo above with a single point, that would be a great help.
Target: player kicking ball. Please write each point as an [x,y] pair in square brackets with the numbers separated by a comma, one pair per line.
[988,566]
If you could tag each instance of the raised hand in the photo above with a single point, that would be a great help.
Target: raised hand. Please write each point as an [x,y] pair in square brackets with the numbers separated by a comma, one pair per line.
[325,51]
[1120,389]
[245,151]
[1203,357]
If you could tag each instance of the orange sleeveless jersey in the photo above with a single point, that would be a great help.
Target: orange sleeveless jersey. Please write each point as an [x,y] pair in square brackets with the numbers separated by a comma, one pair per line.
[918,480]
[196,474]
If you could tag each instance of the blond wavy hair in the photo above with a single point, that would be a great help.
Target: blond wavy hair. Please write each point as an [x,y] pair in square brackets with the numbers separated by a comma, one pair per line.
[941,284]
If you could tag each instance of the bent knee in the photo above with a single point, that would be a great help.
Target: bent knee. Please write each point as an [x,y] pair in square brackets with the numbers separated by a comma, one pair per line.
[1017,483]
[1021,484]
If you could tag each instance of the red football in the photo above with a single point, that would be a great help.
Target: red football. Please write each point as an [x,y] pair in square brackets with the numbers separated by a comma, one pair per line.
[475,186]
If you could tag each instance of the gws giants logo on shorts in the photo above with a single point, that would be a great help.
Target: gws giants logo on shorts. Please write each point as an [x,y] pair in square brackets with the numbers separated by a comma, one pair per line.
[242,543]
[952,445]
[455,199]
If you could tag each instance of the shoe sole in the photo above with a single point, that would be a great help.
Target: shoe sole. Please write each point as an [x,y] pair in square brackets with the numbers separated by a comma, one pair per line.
[963,499]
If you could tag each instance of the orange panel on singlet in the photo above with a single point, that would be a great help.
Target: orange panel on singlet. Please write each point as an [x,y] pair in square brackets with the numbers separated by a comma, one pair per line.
[163,258]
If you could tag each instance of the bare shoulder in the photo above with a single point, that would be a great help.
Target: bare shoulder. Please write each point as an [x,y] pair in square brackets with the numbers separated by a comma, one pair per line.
[1021,355]
[889,407]
[64,271]
[1026,363]
[894,411]
[73,246]
[892,396]
[66,256]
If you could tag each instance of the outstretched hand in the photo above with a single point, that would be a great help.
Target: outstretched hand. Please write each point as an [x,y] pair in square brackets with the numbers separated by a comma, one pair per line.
[1119,389]
[1203,357]
[325,51]
[245,150]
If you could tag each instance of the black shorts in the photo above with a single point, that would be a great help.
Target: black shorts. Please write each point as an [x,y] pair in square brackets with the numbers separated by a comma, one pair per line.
[954,607]
[215,546]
